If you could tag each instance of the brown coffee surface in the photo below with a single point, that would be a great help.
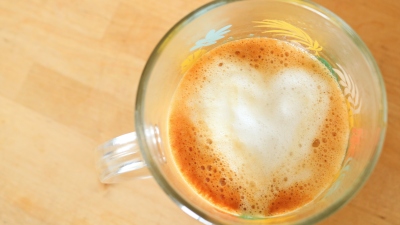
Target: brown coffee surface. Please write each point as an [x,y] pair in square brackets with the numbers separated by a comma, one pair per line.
[258,127]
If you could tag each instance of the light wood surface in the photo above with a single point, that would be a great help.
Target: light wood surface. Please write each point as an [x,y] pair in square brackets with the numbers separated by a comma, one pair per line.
[69,71]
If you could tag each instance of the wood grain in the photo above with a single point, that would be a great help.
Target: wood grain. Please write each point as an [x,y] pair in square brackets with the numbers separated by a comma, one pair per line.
[68,77]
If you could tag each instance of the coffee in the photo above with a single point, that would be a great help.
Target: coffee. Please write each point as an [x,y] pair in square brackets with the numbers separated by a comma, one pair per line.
[258,127]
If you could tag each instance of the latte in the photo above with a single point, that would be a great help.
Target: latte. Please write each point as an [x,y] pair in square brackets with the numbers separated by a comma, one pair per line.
[258,127]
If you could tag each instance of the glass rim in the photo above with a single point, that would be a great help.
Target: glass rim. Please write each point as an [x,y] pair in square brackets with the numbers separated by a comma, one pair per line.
[141,93]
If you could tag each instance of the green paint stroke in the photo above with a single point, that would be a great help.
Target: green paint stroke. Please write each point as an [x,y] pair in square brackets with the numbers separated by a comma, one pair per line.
[323,61]
[248,217]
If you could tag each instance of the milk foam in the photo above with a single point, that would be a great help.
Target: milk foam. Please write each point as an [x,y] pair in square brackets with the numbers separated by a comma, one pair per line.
[251,127]
[246,105]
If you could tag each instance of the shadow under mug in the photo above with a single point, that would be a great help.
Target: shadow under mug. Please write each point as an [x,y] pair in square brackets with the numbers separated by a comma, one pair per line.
[146,153]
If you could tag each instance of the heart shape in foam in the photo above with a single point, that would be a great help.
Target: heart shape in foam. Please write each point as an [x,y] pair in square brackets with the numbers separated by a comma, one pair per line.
[256,119]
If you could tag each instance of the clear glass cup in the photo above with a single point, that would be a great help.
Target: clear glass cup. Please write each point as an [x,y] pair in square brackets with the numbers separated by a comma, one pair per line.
[146,153]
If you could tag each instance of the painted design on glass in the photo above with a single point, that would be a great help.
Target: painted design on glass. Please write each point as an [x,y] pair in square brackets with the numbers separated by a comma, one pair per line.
[191,59]
[211,38]
[339,178]
[282,28]
[351,93]
[354,142]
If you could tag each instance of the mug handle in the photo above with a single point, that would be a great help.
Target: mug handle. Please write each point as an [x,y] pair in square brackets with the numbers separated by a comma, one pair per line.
[120,159]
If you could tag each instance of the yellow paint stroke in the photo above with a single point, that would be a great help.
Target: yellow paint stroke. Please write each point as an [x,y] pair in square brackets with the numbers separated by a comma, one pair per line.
[351,115]
[282,28]
[191,59]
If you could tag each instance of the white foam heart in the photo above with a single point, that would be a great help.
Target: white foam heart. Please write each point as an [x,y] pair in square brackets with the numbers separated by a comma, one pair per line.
[251,116]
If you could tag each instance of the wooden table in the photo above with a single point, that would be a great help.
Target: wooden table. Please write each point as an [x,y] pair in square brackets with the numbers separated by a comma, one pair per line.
[68,77]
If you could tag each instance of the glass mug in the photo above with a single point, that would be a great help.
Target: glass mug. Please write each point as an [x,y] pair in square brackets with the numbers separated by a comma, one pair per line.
[146,153]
